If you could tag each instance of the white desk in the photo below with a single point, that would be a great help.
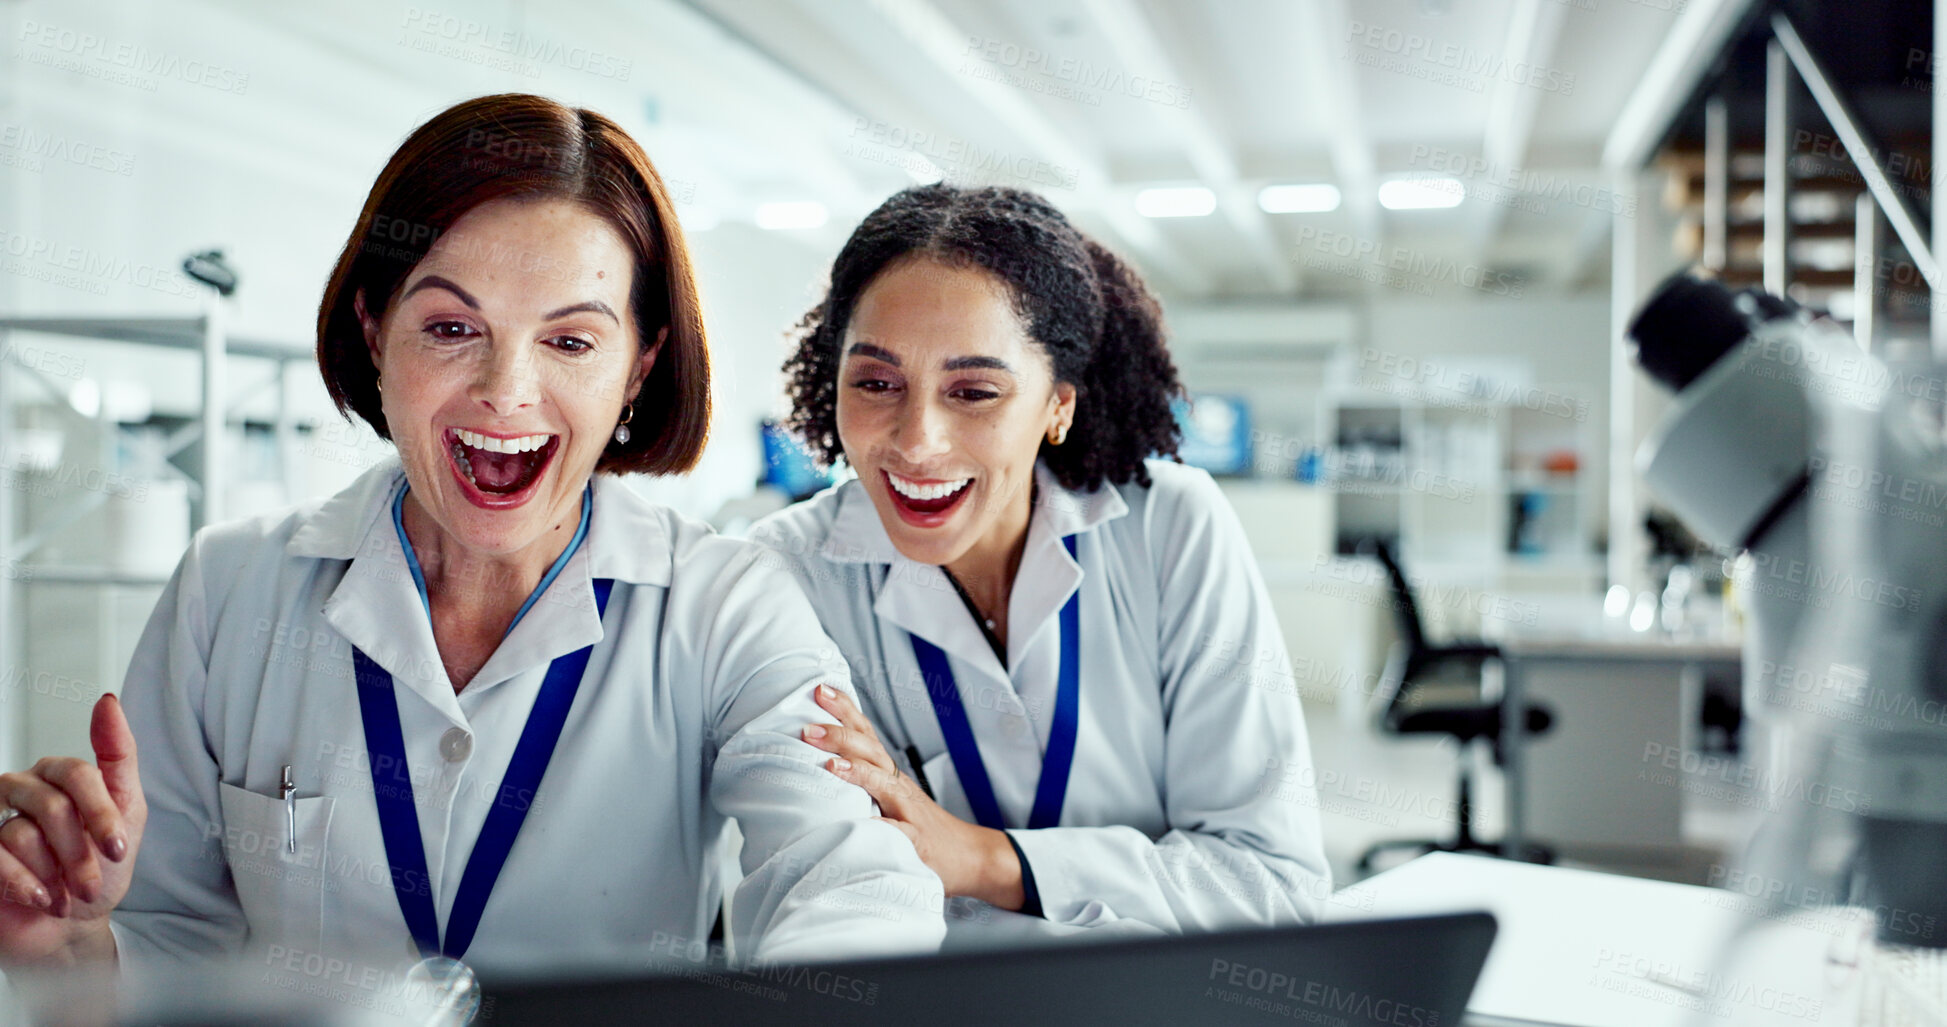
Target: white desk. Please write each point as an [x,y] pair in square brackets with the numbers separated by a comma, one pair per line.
[1585,949]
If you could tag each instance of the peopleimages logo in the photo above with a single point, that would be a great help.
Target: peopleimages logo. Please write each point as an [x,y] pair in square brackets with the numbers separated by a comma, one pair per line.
[959,159]
[86,268]
[39,147]
[94,479]
[1076,72]
[1274,985]
[1709,991]
[427,26]
[48,361]
[1409,264]
[1448,63]
[85,53]
[1540,185]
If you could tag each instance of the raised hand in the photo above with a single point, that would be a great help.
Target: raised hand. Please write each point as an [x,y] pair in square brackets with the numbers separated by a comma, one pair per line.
[970,859]
[67,854]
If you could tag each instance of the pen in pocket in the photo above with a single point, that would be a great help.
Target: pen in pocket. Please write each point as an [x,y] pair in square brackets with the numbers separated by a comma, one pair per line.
[287,791]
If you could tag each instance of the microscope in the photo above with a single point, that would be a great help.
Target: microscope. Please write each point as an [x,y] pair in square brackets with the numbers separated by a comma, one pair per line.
[1827,467]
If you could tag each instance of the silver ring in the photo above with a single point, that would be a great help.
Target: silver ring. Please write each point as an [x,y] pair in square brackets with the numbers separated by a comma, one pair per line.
[7,814]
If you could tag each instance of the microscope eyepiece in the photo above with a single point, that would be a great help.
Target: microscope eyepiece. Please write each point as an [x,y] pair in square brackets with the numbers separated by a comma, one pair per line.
[1685,327]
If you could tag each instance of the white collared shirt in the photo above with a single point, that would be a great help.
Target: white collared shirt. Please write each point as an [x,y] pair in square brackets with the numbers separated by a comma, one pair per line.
[1190,804]
[689,713]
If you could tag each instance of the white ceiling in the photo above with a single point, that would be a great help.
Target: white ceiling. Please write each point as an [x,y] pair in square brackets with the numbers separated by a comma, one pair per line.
[743,102]
[1244,93]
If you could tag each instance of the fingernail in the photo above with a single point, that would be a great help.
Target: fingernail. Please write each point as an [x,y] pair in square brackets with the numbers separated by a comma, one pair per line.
[815,731]
[841,763]
[42,899]
[117,847]
[826,692]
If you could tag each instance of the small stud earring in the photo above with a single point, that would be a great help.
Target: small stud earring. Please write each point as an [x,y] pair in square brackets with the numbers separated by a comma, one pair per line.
[622,429]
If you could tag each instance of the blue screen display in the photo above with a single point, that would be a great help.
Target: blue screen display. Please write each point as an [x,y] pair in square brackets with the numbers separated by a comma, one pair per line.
[789,465]
[1216,433]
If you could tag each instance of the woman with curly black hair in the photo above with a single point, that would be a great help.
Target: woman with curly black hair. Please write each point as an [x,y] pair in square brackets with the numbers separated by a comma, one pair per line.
[1076,699]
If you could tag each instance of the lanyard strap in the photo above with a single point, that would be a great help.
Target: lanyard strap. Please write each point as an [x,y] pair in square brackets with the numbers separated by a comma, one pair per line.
[1060,757]
[405,851]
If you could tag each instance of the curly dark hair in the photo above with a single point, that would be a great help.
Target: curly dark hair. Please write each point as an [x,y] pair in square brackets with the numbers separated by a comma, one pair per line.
[1102,329]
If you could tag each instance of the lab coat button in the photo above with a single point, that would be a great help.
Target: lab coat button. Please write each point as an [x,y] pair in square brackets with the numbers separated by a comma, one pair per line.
[456,745]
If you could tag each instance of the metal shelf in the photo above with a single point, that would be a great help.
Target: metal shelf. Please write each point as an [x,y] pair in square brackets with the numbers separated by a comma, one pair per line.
[1683,69]
[166,332]
[202,335]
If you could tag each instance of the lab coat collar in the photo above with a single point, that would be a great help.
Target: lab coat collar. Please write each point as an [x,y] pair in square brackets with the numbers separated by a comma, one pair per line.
[1049,575]
[857,535]
[627,540]
[920,599]
[1065,512]
[335,530]
[376,605]
[628,536]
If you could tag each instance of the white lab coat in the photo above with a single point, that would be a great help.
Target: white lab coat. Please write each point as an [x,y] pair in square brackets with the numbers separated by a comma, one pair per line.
[1190,804]
[688,714]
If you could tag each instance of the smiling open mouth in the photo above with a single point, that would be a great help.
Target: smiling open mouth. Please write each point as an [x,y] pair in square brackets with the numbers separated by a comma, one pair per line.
[500,466]
[926,500]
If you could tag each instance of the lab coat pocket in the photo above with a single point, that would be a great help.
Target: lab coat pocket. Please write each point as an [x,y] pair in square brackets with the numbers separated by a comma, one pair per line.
[281,890]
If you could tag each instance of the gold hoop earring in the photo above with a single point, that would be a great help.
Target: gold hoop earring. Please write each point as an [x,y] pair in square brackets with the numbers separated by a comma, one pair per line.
[622,428]
[1057,435]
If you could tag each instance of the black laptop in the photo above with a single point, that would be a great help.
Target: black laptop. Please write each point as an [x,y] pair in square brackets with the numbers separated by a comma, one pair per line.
[1415,972]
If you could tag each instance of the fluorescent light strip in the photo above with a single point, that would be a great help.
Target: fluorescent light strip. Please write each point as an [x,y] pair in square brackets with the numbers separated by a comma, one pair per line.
[1421,193]
[1189,201]
[1298,199]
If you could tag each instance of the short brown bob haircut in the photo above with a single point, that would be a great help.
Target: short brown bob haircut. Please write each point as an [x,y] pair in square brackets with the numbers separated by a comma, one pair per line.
[516,145]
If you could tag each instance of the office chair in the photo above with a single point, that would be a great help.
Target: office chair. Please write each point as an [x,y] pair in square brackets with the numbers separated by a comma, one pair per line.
[1417,705]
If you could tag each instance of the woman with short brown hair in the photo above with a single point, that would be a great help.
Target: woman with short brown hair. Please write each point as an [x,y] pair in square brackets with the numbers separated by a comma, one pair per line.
[511,147]
[485,703]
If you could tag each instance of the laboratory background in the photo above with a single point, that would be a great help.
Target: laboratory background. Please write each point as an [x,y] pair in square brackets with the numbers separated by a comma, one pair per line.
[1399,246]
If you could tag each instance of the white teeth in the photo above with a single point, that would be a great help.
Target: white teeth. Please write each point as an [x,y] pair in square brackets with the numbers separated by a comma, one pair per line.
[524,444]
[914,490]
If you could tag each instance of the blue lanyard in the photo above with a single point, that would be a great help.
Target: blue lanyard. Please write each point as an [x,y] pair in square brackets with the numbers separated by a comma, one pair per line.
[960,744]
[405,851]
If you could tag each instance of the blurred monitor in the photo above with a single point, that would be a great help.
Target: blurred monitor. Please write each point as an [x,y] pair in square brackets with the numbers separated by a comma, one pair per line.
[789,466]
[1406,972]
[1413,972]
[1216,433]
